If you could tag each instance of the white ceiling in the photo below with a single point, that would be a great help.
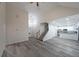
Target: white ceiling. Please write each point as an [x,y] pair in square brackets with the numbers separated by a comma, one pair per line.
[67,21]
[49,6]
[70,4]
[45,5]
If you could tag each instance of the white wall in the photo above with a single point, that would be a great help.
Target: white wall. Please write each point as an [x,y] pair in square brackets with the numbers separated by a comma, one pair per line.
[51,33]
[33,24]
[2,28]
[17,24]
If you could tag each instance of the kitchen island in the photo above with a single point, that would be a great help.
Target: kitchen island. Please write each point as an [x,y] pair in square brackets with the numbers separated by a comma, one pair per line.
[68,35]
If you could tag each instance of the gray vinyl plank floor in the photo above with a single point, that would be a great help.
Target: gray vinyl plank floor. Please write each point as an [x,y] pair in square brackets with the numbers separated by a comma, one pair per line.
[54,47]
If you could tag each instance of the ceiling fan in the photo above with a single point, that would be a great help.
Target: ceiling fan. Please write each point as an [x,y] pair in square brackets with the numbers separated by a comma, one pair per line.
[37,4]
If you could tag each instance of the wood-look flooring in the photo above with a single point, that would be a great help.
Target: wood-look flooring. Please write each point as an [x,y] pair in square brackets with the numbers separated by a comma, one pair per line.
[55,47]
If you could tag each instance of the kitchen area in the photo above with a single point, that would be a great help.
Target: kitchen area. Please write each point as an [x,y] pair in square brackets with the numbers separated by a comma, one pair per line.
[67,27]
[66,34]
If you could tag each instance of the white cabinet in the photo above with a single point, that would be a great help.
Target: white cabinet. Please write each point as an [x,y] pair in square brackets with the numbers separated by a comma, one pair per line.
[69,36]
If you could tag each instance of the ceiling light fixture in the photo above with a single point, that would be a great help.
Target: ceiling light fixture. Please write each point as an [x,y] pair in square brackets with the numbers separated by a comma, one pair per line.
[37,4]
